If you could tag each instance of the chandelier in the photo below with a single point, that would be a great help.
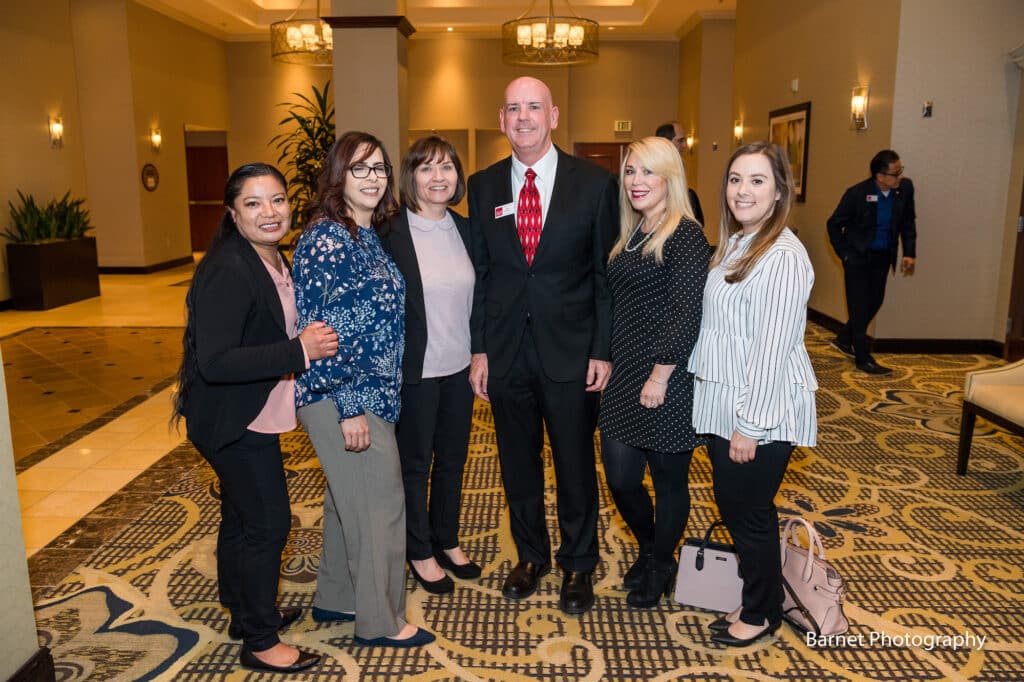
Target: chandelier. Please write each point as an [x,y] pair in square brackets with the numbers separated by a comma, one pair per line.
[302,41]
[549,40]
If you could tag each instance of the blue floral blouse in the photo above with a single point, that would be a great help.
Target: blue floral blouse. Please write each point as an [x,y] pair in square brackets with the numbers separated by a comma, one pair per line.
[357,289]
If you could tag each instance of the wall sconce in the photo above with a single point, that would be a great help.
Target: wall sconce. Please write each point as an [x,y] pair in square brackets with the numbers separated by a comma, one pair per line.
[690,142]
[737,132]
[155,139]
[55,124]
[859,108]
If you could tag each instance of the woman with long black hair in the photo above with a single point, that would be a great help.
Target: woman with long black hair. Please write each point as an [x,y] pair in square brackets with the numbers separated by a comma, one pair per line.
[241,349]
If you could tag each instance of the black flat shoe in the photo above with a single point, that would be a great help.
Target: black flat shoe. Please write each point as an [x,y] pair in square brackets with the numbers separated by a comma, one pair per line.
[872,367]
[289,614]
[522,581]
[728,640]
[305,660]
[635,575]
[440,586]
[421,638]
[469,571]
[844,348]
[577,593]
[328,616]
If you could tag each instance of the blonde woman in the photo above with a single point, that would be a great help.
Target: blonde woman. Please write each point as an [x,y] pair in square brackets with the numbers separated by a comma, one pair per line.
[754,391]
[656,274]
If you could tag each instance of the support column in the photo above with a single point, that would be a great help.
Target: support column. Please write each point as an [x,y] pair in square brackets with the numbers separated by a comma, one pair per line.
[371,72]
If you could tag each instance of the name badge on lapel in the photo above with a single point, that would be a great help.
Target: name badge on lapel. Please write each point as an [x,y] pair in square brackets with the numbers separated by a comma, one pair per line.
[872,198]
[506,210]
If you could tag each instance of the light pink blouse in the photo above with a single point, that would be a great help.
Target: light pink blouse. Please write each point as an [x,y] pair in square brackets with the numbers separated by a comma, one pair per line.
[278,414]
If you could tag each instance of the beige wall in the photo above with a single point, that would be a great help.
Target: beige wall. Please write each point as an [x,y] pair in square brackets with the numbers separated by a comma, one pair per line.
[100,31]
[36,36]
[256,84]
[179,78]
[633,81]
[688,105]
[829,48]
[955,54]
[714,133]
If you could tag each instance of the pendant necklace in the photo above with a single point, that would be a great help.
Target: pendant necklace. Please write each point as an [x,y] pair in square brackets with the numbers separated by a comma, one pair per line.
[646,236]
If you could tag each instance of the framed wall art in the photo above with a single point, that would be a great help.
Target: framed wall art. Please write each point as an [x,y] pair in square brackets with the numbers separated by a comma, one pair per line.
[790,128]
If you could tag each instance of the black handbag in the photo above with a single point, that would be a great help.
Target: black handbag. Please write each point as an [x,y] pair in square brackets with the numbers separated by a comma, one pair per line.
[709,576]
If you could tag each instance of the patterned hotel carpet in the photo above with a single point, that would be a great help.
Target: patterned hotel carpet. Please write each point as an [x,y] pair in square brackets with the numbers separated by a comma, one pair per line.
[923,551]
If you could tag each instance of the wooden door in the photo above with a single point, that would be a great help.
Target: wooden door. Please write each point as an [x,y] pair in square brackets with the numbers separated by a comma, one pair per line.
[608,155]
[207,170]
[1013,349]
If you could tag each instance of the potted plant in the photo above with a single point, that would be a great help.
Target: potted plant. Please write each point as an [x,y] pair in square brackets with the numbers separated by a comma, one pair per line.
[50,260]
[304,147]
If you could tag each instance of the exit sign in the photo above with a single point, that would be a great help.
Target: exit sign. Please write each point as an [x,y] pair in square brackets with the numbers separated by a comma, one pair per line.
[623,126]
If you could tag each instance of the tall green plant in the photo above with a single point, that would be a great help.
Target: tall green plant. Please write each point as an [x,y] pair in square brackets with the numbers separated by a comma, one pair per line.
[304,146]
[58,219]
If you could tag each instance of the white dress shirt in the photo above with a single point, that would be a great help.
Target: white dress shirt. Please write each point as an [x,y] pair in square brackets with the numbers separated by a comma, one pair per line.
[545,169]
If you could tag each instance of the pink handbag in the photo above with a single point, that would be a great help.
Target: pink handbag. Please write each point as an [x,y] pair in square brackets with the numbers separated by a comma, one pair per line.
[709,575]
[814,589]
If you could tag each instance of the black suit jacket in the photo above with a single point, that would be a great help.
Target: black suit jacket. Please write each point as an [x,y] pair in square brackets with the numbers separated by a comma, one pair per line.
[241,344]
[565,292]
[398,242]
[851,228]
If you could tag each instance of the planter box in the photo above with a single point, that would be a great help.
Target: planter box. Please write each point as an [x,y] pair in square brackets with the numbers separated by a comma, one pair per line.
[51,274]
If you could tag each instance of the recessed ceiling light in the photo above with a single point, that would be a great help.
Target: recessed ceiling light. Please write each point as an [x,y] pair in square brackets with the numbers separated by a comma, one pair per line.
[450,29]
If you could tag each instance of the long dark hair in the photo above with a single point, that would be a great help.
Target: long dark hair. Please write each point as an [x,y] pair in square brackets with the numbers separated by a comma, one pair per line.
[774,223]
[189,369]
[329,201]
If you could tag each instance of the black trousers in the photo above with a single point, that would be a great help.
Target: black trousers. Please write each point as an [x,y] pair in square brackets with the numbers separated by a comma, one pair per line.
[865,276]
[657,532]
[255,520]
[524,402]
[433,437]
[745,494]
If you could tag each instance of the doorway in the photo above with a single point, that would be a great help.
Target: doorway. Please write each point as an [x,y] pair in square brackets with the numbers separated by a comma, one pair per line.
[607,155]
[206,166]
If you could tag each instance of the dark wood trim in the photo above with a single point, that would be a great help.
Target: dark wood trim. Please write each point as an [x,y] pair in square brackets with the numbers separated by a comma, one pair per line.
[144,269]
[38,668]
[970,411]
[7,304]
[921,346]
[398,22]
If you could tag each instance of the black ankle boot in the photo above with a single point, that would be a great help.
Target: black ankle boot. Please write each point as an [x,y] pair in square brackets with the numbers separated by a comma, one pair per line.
[635,575]
[657,580]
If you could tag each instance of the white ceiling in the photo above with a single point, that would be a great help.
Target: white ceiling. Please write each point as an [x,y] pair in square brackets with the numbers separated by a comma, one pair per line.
[245,20]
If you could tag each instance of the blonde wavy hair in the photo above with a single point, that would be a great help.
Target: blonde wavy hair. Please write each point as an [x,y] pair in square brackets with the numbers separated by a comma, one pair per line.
[774,223]
[661,158]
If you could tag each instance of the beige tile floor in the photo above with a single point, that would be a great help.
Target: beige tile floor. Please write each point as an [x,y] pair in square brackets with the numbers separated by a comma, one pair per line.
[67,485]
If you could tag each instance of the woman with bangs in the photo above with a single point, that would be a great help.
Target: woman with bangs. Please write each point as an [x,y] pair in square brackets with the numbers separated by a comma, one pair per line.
[430,245]
[656,273]
[349,403]
[754,390]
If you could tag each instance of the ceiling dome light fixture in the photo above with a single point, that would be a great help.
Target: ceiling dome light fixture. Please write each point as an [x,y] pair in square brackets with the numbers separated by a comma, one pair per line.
[302,41]
[549,40]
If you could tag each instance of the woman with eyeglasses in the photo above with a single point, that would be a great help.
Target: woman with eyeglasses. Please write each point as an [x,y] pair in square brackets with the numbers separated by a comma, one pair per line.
[349,403]
[430,244]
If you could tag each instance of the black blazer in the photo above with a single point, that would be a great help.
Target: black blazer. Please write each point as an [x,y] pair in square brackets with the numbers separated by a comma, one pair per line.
[398,242]
[851,228]
[241,344]
[565,293]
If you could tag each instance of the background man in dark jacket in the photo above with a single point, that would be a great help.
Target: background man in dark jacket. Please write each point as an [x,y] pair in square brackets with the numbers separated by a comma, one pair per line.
[872,219]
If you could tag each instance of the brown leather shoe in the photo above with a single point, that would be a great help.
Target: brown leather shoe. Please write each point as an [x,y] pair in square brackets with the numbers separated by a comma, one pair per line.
[522,581]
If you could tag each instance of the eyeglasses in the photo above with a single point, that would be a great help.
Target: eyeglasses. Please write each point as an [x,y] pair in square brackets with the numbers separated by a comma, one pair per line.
[361,170]
[896,174]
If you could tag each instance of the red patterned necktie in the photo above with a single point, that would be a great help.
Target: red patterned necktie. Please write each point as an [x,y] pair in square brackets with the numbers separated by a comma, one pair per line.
[528,216]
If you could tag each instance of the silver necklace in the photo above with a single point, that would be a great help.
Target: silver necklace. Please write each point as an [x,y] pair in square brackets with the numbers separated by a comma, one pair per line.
[647,235]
